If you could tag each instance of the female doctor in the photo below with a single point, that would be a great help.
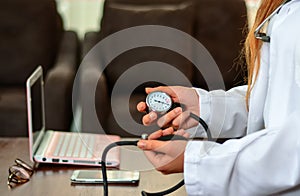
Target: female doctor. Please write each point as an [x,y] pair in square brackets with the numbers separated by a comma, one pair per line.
[266,112]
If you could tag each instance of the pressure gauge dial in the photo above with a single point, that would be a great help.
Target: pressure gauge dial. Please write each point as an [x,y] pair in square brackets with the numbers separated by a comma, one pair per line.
[159,102]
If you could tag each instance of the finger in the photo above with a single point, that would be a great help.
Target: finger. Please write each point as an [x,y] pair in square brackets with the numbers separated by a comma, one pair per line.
[148,119]
[150,90]
[179,132]
[166,89]
[182,132]
[141,107]
[155,135]
[152,145]
[160,133]
[180,119]
[159,88]
[164,147]
[170,116]
[186,135]
[168,131]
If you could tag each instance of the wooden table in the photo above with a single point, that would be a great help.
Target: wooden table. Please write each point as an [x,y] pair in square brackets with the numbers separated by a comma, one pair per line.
[54,180]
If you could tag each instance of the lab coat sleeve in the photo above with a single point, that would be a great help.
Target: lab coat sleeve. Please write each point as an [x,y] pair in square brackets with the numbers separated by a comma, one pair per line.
[262,163]
[225,112]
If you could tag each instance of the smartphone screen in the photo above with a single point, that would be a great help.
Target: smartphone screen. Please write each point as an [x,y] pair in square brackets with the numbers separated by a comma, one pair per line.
[113,176]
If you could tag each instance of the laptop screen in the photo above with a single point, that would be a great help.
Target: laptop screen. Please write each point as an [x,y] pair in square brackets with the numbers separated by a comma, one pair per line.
[35,108]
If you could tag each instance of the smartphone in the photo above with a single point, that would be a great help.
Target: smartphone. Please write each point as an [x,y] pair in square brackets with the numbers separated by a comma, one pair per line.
[113,176]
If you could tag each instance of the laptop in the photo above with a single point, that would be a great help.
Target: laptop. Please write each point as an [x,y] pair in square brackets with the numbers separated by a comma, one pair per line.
[49,146]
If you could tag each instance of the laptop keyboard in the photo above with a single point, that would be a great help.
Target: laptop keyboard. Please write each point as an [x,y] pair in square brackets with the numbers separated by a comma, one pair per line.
[75,145]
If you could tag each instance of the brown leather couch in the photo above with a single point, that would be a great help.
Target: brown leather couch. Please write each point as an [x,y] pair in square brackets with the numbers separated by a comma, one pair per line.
[32,34]
[216,24]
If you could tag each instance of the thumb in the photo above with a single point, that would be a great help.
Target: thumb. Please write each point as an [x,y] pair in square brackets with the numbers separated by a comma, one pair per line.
[149,90]
[166,89]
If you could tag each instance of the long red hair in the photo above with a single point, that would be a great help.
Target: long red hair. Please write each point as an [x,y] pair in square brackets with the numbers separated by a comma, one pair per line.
[253,45]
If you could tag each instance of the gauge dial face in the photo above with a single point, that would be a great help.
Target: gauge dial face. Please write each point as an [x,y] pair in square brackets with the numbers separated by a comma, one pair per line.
[159,102]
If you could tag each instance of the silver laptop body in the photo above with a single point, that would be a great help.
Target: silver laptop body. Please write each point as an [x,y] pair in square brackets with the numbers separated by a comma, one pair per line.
[49,146]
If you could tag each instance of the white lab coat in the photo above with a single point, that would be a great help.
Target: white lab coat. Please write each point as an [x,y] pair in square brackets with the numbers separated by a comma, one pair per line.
[267,160]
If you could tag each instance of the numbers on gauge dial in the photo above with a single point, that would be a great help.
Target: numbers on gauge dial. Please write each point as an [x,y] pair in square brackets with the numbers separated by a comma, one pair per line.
[159,101]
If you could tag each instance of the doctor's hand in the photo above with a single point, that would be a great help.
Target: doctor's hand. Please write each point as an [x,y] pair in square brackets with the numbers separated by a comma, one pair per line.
[166,156]
[177,117]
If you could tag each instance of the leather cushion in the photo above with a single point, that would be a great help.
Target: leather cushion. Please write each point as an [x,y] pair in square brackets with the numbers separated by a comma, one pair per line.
[13,116]
[219,27]
[120,16]
[29,34]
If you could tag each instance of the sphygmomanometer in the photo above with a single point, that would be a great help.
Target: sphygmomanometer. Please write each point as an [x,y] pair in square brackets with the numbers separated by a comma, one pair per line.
[161,103]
